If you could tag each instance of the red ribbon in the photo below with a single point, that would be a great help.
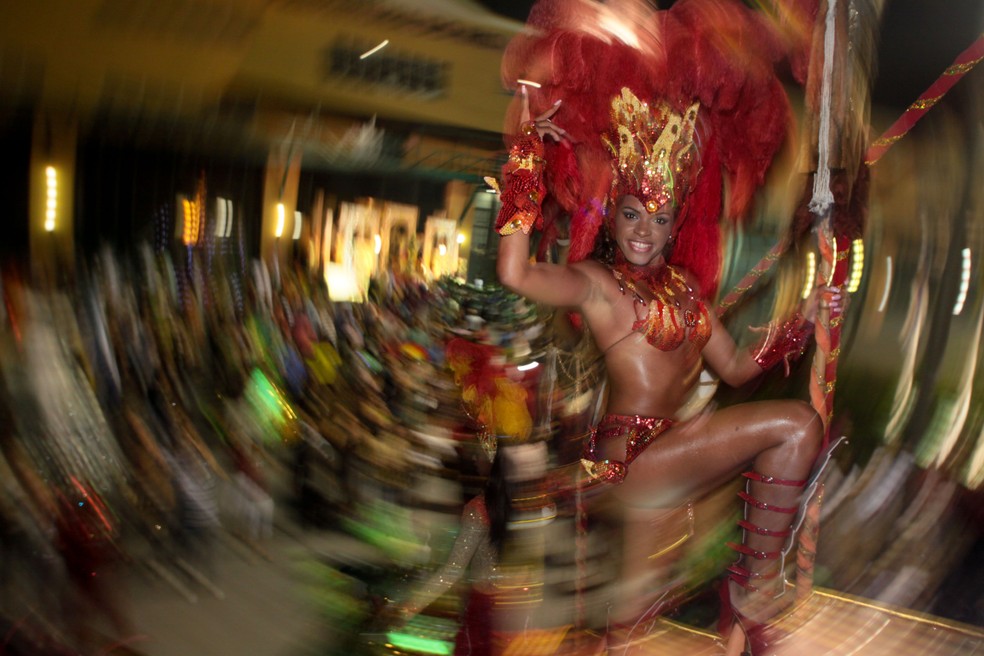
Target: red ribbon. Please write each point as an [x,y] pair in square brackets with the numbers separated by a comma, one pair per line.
[962,65]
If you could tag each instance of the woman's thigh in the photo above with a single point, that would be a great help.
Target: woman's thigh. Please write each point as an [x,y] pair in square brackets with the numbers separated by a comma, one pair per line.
[703,453]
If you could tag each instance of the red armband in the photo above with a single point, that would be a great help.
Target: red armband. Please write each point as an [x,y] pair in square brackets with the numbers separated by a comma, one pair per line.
[784,342]
[523,189]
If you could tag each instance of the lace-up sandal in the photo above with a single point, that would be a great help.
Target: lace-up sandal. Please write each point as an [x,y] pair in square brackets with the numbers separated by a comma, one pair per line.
[761,566]
[768,527]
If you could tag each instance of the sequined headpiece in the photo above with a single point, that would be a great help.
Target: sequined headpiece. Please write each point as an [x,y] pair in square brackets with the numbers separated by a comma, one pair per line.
[654,157]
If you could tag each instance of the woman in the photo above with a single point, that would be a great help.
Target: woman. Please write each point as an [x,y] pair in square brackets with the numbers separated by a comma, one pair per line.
[649,320]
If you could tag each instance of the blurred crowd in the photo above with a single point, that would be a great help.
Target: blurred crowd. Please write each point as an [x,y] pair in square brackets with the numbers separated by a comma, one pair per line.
[155,410]
[152,408]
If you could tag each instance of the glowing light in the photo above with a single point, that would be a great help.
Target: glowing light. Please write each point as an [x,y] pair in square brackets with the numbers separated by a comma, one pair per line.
[811,275]
[267,399]
[279,232]
[341,282]
[51,184]
[888,284]
[193,213]
[191,223]
[223,207]
[419,644]
[220,217]
[528,83]
[461,238]
[298,222]
[373,51]
[529,366]
[230,216]
[964,282]
[857,266]
[377,244]
[442,250]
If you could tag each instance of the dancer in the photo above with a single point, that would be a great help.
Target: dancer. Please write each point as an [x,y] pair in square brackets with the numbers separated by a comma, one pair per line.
[642,294]
[497,404]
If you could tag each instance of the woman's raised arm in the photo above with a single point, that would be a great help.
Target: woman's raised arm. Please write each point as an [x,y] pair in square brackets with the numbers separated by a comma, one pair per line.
[558,285]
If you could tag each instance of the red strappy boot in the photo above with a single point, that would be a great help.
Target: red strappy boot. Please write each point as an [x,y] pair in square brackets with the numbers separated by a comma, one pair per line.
[771,508]
[777,517]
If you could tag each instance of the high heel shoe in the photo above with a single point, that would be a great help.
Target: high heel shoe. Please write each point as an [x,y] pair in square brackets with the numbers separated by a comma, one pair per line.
[761,636]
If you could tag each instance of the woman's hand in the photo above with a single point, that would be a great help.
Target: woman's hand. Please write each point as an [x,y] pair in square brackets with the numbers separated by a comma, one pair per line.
[544,125]
[825,297]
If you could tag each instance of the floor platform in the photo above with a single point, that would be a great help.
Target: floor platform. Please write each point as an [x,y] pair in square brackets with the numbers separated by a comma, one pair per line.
[829,623]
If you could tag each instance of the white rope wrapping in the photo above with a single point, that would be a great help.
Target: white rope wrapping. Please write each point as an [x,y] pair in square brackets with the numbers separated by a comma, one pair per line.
[823,198]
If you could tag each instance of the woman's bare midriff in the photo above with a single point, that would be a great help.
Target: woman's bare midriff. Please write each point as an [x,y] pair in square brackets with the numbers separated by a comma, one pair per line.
[646,381]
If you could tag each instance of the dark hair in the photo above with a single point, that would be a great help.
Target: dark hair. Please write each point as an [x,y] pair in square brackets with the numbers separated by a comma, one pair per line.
[605,248]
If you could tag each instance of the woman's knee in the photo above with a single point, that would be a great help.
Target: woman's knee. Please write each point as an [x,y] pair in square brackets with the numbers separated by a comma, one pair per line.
[803,426]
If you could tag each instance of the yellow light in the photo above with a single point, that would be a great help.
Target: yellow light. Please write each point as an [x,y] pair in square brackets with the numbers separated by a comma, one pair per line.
[888,284]
[377,244]
[857,266]
[964,282]
[189,235]
[51,206]
[341,282]
[442,249]
[811,275]
[461,238]
[298,222]
[220,217]
[280,221]
[372,51]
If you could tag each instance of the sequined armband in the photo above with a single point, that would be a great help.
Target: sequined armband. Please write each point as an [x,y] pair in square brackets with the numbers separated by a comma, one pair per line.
[523,189]
[784,342]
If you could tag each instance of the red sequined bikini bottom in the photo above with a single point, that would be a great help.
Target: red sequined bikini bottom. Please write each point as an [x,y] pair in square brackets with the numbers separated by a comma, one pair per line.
[639,432]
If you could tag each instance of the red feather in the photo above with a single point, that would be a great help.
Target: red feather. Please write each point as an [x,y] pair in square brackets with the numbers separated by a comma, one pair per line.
[718,51]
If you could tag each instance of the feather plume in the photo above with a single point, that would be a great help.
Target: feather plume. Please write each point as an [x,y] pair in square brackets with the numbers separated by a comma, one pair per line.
[716,51]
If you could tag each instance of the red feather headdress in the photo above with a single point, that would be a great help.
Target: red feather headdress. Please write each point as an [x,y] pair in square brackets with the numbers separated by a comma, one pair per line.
[717,53]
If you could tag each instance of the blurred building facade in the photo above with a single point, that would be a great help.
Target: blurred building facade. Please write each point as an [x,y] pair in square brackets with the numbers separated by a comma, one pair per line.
[276,117]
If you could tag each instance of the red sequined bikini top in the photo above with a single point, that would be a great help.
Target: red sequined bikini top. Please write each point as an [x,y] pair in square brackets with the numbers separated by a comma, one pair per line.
[667,323]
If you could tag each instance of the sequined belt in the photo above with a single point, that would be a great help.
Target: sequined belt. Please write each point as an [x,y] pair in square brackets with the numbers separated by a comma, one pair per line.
[639,433]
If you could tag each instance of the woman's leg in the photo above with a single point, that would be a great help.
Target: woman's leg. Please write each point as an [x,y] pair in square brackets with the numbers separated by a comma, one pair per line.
[779,439]
[653,542]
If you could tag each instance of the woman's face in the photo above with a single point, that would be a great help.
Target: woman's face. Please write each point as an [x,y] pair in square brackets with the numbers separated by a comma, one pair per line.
[641,236]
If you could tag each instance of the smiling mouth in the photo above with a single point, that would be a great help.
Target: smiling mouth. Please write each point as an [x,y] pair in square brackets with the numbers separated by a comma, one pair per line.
[640,246]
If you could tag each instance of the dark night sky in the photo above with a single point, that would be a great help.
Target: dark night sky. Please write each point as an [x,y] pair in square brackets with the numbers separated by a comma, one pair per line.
[918,39]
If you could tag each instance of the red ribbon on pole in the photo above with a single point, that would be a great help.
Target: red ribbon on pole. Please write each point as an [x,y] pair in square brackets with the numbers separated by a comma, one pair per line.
[960,67]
